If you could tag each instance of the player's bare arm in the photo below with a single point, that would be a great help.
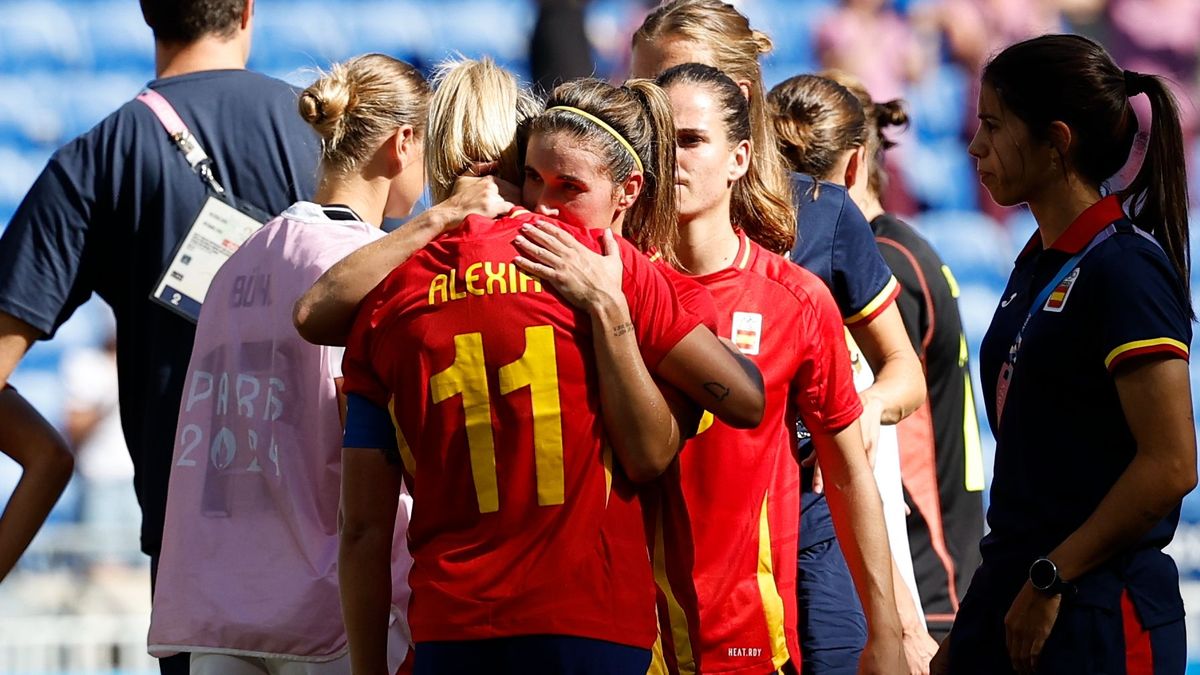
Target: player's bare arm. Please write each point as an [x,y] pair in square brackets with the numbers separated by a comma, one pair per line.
[858,519]
[46,465]
[644,433]
[324,313]
[899,387]
[370,488]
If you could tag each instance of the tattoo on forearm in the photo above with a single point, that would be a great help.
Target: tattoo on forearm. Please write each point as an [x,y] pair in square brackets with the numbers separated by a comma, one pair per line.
[718,390]
[623,329]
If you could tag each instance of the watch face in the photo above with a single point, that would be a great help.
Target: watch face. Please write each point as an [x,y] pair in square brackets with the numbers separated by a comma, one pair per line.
[1042,574]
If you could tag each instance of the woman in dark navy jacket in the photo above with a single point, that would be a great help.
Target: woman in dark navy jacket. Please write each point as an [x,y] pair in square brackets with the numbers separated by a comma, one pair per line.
[1085,375]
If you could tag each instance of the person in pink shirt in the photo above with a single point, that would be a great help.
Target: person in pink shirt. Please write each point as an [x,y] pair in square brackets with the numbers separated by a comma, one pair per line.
[868,38]
[248,578]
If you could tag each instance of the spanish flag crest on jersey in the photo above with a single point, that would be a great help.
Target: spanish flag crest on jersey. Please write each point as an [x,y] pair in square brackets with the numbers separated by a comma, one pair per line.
[1058,297]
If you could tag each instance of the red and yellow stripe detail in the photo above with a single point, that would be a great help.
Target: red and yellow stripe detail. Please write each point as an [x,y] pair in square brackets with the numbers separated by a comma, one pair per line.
[876,306]
[771,600]
[676,617]
[1160,345]
[406,455]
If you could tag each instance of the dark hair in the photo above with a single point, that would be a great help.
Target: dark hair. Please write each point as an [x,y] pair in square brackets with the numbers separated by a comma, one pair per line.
[816,120]
[641,113]
[879,117]
[1071,79]
[184,21]
[747,208]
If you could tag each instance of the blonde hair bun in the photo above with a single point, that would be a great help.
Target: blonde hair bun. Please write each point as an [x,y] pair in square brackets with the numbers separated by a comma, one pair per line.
[359,103]
[326,103]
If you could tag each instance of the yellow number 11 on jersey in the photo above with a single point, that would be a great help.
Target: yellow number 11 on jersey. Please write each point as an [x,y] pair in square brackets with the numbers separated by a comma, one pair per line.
[536,369]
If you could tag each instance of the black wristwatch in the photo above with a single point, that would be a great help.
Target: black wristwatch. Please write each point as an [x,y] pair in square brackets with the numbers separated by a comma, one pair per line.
[1043,576]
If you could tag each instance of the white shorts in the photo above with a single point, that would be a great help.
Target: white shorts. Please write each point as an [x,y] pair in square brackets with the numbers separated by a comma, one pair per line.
[227,664]
[208,663]
[891,491]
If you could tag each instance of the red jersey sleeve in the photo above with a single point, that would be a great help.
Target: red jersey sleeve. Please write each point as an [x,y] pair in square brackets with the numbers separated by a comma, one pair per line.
[823,391]
[659,318]
[358,373]
[692,296]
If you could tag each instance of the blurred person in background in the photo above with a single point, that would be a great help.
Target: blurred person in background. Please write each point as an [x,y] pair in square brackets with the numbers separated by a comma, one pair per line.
[559,49]
[834,242]
[1161,36]
[1085,371]
[842,134]
[111,207]
[816,146]
[259,451]
[969,32]
[46,465]
[93,426]
[871,40]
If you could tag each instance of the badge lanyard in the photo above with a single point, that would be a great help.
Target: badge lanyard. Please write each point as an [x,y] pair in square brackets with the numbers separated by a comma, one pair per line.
[1006,370]
[219,229]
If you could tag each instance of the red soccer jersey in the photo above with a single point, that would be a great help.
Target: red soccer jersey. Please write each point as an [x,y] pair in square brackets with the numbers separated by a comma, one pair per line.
[520,525]
[726,515]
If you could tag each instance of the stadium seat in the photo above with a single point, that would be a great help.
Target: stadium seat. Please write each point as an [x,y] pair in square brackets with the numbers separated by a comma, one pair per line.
[40,35]
[978,249]
[940,174]
[793,25]
[937,103]
[119,37]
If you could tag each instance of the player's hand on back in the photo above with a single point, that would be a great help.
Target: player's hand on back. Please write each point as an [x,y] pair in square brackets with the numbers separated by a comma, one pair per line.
[477,193]
[588,280]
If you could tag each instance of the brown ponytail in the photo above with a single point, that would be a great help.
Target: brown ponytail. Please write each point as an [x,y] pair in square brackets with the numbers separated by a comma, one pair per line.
[1157,196]
[879,117]
[1071,79]
[816,121]
[656,213]
[641,113]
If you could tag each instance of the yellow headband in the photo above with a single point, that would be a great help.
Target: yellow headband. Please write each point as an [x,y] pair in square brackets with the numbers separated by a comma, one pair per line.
[611,131]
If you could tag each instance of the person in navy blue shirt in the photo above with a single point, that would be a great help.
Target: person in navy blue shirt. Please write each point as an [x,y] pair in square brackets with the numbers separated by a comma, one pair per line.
[1085,375]
[108,211]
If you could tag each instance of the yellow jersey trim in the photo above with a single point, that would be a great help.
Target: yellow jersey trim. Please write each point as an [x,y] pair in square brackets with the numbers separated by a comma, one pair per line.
[771,600]
[874,305]
[606,459]
[1142,344]
[745,244]
[973,480]
[406,455]
[676,617]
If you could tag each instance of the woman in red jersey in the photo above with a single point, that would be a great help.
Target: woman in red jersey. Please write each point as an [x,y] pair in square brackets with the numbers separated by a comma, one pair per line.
[527,539]
[831,128]
[832,240]
[729,507]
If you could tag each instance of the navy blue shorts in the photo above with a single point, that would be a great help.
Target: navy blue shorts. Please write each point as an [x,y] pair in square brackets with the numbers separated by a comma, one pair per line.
[1100,630]
[530,655]
[833,629]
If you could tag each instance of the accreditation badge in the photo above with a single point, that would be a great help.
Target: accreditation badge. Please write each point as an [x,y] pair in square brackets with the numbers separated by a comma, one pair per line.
[218,230]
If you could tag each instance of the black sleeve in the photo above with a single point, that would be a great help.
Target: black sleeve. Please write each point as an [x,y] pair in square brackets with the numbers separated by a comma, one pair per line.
[912,301]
